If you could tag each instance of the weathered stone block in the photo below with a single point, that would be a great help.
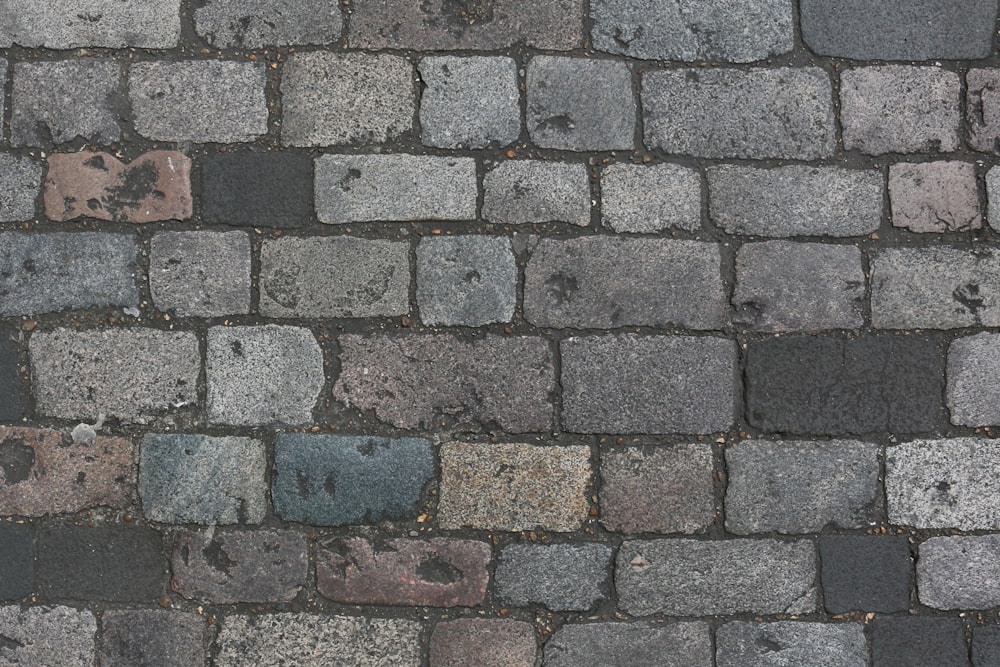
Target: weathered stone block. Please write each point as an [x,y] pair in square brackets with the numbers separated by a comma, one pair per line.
[466,280]
[561,577]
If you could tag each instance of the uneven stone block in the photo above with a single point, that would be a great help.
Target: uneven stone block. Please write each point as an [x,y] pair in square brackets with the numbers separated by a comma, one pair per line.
[935,196]
[561,577]
[743,644]
[20,182]
[867,573]
[647,199]
[200,274]
[466,280]
[982,109]
[485,642]
[985,645]
[972,392]
[154,636]
[902,641]
[115,24]
[17,570]
[254,24]
[959,572]
[524,191]
[50,635]
[13,391]
[640,643]
[257,189]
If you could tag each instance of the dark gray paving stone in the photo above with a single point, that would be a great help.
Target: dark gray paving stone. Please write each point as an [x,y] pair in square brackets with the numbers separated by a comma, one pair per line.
[49,635]
[899,29]
[524,191]
[257,189]
[13,392]
[253,24]
[116,24]
[561,577]
[640,643]
[485,642]
[905,641]
[200,274]
[973,396]
[825,386]
[466,280]
[334,480]
[647,199]
[959,572]
[865,573]
[982,110]
[935,197]
[784,644]
[148,637]
[20,183]
[17,570]
[985,645]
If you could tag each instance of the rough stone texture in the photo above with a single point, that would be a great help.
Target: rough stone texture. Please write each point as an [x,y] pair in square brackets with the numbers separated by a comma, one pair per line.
[513,487]
[727,113]
[338,480]
[802,384]
[263,374]
[44,273]
[198,100]
[225,567]
[202,479]
[903,641]
[20,182]
[935,287]
[413,381]
[985,645]
[704,30]
[682,577]
[866,573]
[649,199]
[609,282]
[439,572]
[13,392]
[47,636]
[152,637]
[355,98]
[560,577]
[67,24]
[796,200]
[959,572]
[899,109]
[785,286]
[577,104]
[395,188]
[993,197]
[972,391]
[257,189]
[523,191]
[983,109]
[443,25]
[338,276]
[113,564]
[641,643]
[17,571]
[657,489]
[44,472]
[469,102]
[944,484]
[648,384]
[135,375]
[200,274]
[935,196]
[899,29]
[801,487]
[787,644]
[253,24]
[312,639]
[57,101]
[465,280]
[484,642]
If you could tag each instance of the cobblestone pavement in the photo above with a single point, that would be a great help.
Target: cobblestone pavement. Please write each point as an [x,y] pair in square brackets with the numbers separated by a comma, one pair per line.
[499,333]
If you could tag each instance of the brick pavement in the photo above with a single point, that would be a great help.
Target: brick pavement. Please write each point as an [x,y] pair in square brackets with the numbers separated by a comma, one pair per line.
[561,333]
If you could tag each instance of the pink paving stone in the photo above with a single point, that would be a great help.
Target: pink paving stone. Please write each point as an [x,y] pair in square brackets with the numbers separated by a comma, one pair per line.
[440,572]
[155,186]
[43,472]
[935,196]
[486,642]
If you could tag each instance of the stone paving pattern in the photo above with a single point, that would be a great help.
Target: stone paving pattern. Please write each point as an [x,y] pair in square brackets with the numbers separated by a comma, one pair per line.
[486,332]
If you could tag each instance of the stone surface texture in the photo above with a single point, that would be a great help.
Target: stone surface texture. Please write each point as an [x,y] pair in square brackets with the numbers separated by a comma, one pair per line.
[935,196]
[685,644]
[648,199]
[525,191]
[790,643]
[487,642]
[47,635]
[556,576]
[258,23]
[869,573]
[466,280]
[973,366]
[67,24]
[200,274]
[959,572]
[155,636]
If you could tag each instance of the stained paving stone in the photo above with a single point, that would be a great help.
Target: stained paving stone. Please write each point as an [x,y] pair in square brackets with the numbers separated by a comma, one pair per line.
[113,564]
[202,479]
[268,639]
[438,572]
[442,25]
[982,109]
[609,282]
[13,391]
[513,487]
[785,286]
[58,101]
[226,567]
[355,98]
[683,577]
[561,577]
[639,643]
[973,366]
[577,104]
[44,273]
[263,374]
[796,200]
[959,572]
[395,188]
[647,384]
[647,199]
[902,641]
[67,24]
[200,274]
[17,571]
[801,487]
[152,637]
[48,635]
[657,489]
[198,100]
[504,380]
[943,484]
[743,644]
[257,189]
[470,102]
[866,573]
[20,183]
[465,280]
[825,386]
[135,375]
[708,30]
[900,109]
[43,472]
[486,642]
[935,196]
[254,24]
[728,113]
[338,480]
[525,191]
[334,277]
[985,645]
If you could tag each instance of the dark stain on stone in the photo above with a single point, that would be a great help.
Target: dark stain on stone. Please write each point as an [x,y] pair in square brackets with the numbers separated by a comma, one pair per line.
[16,460]
[560,123]
[330,485]
[29,266]
[768,645]
[561,287]
[438,571]
[94,204]
[968,296]
[10,643]
[81,478]
[97,162]
[137,183]
[237,348]
[472,277]
[943,487]
[351,175]
[217,557]
[185,554]
[302,480]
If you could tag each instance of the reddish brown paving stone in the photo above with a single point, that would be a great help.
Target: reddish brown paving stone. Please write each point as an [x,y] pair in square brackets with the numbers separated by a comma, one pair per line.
[484,642]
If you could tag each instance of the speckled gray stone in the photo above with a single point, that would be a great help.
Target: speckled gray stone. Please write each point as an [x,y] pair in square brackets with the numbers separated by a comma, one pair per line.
[20,183]
[560,577]
[788,644]
[993,197]
[982,105]
[646,199]
[639,643]
[940,196]
[523,191]
[200,274]
[252,24]
[67,24]
[47,636]
[163,638]
[959,572]
[973,395]
[466,280]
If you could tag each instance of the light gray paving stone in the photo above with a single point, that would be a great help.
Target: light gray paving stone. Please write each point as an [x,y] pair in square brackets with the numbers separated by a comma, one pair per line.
[67,24]
[20,183]
[973,394]
[959,572]
[50,635]
[982,105]
[638,643]
[253,24]
[200,274]
[561,577]
[524,191]
[940,196]
[789,644]
[171,638]
[648,199]
[466,280]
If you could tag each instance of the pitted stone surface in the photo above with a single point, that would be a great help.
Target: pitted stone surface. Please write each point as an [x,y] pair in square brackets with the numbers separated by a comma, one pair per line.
[935,196]
[487,642]
[563,577]
[50,635]
[66,24]
[252,24]
[20,181]
[466,280]
[523,191]
[973,366]
[161,637]
[959,572]
[200,274]
[784,644]
[983,109]
[647,199]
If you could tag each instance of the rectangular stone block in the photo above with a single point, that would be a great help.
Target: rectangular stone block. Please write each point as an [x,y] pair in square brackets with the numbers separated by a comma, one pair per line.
[20,182]
[648,384]
[900,641]
[17,570]
[254,24]
[973,395]
[200,274]
[561,577]
[982,109]
[646,199]
[50,635]
[866,573]
[528,191]
[165,638]
[486,642]
[985,645]
[115,24]
[935,197]
[741,644]
[466,280]
[13,389]
[726,113]
[254,189]
[686,644]
[959,572]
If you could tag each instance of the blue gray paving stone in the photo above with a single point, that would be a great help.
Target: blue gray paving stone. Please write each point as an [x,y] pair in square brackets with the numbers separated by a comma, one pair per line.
[687,644]
[60,24]
[252,24]
[17,570]
[20,181]
[152,636]
[973,366]
[903,641]
[47,635]
[650,198]
[465,280]
[13,393]
[560,577]
[938,196]
[257,189]
[959,572]
[200,274]
[865,573]
[743,644]
[522,191]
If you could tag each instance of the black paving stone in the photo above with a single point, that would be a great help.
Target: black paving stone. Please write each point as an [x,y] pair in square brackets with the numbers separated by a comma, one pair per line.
[11,387]
[986,645]
[913,641]
[16,565]
[865,573]
[257,189]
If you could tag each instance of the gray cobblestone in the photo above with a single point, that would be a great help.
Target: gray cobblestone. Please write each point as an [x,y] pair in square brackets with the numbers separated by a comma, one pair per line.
[973,396]
[50,635]
[993,197]
[252,24]
[66,24]
[869,573]
[200,274]
[466,280]
[901,641]
[935,196]
[523,191]
[649,199]
[959,572]
[171,639]
[782,644]
[557,576]
[20,183]
[638,643]
[981,109]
